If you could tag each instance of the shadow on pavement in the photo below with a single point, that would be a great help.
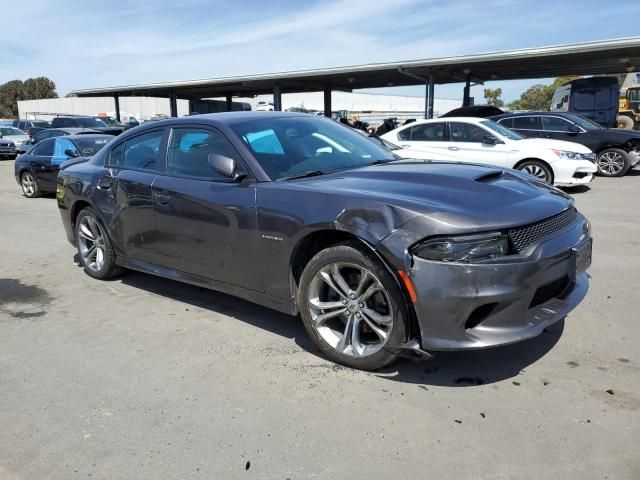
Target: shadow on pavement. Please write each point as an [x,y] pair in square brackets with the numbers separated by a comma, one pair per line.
[475,367]
[453,369]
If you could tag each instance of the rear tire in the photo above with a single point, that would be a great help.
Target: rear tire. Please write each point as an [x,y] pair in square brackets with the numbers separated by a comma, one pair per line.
[352,307]
[613,162]
[29,185]
[94,247]
[538,169]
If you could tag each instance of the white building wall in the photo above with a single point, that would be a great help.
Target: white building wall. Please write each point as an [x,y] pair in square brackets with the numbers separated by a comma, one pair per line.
[146,107]
[359,102]
[139,107]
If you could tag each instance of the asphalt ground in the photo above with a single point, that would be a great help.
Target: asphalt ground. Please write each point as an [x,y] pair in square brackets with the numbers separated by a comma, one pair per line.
[142,377]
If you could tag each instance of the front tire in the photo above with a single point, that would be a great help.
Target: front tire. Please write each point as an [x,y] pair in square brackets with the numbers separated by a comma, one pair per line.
[29,185]
[352,307]
[538,169]
[613,162]
[94,248]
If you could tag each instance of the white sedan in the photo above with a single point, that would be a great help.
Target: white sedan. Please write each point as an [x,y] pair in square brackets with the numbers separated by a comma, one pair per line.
[18,137]
[478,140]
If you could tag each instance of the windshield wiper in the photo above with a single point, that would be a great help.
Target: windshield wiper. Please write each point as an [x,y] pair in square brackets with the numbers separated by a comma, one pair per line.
[310,173]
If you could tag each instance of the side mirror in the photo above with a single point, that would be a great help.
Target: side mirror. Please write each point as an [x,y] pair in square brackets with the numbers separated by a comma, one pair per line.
[489,140]
[574,128]
[225,166]
[71,153]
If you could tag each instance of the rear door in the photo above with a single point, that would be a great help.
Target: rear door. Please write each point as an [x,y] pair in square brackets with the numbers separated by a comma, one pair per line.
[206,222]
[528,126]
[466,144]
[125,190]
[431,135]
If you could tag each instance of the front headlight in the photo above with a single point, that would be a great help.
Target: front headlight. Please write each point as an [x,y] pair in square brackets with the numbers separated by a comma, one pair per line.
[575,155]
[464,249]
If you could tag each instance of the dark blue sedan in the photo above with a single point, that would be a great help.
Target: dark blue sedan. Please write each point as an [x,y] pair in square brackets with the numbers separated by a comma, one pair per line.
[37,169]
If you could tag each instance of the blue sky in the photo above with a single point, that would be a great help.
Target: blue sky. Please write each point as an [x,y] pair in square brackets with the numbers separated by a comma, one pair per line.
[84,44]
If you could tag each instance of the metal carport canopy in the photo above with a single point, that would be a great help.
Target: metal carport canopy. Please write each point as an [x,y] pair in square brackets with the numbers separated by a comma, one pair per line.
[591,58]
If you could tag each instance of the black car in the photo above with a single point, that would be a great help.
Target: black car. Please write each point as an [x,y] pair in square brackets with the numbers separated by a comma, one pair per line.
[299,213]
[31,126]
[482,111]
[617,150]
[55,132]
[85,122]
[36,170]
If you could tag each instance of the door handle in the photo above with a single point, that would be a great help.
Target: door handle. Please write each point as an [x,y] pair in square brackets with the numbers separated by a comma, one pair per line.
[405,146]
[454,149]
[162,199]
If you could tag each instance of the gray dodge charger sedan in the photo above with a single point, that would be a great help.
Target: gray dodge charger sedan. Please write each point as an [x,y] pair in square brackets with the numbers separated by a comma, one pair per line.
[378,255]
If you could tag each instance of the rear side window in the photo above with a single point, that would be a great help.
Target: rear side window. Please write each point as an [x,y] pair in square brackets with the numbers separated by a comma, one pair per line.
[189,150]
[527,123]
[555,124]
[425,132]
[140,153]
[44,148]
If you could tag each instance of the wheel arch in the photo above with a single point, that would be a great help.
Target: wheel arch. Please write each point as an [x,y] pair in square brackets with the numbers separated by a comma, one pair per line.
[536,159]
[314,242]
[76,208]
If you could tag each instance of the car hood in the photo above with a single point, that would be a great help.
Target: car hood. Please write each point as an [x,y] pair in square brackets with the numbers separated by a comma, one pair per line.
[621,133]
[16,138]
[555,144]
[457,196]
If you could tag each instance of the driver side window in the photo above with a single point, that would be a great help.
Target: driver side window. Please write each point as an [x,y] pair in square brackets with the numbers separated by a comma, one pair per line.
[466,132]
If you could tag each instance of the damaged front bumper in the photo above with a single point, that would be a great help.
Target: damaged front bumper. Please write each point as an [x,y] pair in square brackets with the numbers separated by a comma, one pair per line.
[478,305]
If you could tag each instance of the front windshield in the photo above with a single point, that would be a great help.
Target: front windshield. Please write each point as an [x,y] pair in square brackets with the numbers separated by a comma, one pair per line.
[584,122]
[10,131]
[41,124]
[90,123]
[504,131]
[290,146]
[89,146]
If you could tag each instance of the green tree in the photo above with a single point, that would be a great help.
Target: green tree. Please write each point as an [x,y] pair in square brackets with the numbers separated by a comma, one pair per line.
[492,96]
[31,89]
[40,87]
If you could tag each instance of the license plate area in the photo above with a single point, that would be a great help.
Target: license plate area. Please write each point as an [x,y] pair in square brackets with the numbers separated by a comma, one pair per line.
[581,259]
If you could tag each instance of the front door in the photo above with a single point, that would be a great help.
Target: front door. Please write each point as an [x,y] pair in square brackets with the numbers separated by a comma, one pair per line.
[42,167]
[206,223]
[466,143]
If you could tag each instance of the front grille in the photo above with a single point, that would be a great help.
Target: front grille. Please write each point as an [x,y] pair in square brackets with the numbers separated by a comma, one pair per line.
[523,237]
[549,291]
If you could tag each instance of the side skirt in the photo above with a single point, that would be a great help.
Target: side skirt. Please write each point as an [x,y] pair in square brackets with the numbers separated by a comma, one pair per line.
[281,305]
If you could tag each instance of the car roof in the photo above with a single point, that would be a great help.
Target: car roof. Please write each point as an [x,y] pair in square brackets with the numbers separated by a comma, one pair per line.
[445,119]
[88,136]
[527,114]
[75,130]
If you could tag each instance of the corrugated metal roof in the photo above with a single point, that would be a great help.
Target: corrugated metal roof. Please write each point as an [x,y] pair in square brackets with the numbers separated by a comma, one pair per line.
[590,58]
